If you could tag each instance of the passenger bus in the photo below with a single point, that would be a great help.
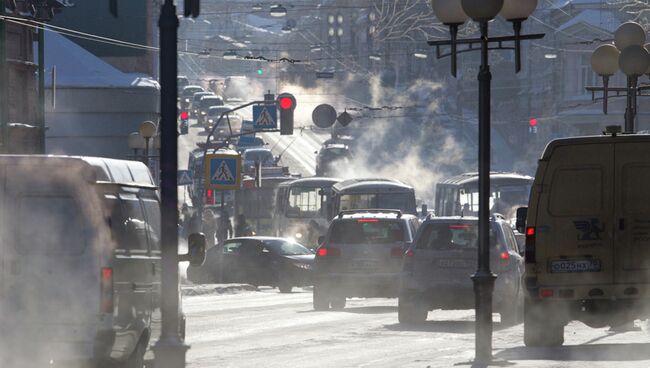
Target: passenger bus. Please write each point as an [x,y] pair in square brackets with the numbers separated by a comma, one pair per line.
[458,195]
[372,194]
[301,209]
[258,204]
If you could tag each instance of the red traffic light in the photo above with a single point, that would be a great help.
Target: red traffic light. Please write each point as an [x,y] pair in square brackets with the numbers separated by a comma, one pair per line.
[184,115]
[532,122]
[286,103]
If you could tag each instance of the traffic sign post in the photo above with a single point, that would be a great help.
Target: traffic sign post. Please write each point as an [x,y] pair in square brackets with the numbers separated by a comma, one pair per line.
[265,117]
[222,171]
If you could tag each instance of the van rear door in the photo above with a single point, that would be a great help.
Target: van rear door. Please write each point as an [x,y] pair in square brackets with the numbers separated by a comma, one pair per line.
[51,265]
[632,246]
[574,226]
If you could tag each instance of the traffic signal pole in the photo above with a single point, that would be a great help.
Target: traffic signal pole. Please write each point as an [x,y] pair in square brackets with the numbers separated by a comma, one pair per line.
[170,349]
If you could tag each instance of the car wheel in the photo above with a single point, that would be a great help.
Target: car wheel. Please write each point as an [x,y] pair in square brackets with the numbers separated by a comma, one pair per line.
[136,360]
[539,329]
[284,284]
[337,302]
[410,311]
[513,313]
[320,298]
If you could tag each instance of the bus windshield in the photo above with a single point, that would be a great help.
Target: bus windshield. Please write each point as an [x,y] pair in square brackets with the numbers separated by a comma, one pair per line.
[394,201]
[305,202]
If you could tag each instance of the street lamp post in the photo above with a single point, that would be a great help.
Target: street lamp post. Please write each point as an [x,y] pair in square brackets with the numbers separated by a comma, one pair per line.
[454,13]
[630,56]
[147,130]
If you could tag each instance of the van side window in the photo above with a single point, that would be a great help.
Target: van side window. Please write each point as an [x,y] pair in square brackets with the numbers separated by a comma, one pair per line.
[50,225]
[510,238]
[134,224]
[576,191]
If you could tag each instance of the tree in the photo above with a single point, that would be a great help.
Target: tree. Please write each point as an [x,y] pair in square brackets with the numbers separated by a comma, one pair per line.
[638,9]
[404,20]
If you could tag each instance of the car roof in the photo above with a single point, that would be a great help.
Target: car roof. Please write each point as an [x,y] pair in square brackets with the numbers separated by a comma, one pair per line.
[457,219]
[374,214]
[335,146]
[191,86]
[260,238]
[257,150]
[596,139]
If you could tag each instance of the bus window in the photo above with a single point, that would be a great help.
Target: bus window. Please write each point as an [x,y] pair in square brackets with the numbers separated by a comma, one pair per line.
[304,202]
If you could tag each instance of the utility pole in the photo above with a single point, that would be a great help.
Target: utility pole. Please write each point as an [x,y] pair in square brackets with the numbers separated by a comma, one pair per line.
[4,127]
[41,91]
[170,349]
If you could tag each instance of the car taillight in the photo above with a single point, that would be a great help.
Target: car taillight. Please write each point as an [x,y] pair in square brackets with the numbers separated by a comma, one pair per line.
[106,300]
[328,252]
[397,252]
[409,253]
[546,293]
[504,256]
[209,196]
[530,245]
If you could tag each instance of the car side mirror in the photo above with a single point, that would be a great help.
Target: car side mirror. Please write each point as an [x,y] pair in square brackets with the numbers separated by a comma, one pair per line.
[522,214]
[195,250]
[321,240]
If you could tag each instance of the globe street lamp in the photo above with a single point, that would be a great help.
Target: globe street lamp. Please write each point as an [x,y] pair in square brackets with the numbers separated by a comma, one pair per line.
[454,13]
[630,56]
[135,142]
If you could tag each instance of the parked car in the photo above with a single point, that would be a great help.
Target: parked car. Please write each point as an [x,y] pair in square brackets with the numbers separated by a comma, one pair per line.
[84,245]
[256,260]
[361,256]
[437,268]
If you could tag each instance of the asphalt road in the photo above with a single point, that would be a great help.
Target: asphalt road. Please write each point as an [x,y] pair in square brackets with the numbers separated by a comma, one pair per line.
[268,329]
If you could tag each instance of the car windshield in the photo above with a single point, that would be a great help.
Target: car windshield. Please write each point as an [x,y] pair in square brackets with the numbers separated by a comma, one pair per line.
[367,231]
[211,101]
[190,91]
[287,248]
[442,236]
[335,152]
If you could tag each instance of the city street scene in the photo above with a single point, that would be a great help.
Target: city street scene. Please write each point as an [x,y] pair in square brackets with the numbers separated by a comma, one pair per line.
[324,183]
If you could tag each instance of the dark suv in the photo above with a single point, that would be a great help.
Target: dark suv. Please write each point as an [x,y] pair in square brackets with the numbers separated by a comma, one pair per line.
[438,265]
[361,256]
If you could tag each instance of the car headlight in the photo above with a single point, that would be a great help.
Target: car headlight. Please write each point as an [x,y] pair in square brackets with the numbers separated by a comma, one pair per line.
[202,112]
[187,100]
[210,121]
[304,266]
[298,236]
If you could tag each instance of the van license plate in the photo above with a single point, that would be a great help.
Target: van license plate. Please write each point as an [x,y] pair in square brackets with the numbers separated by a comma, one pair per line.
[582,265]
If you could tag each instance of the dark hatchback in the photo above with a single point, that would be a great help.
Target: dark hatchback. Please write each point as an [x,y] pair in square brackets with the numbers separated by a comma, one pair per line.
[259,261]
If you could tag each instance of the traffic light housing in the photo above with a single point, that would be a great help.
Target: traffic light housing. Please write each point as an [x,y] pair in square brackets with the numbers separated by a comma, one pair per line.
[286,104]
[532,126]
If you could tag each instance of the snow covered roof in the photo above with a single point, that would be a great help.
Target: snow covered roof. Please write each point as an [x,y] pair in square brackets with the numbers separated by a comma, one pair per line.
[77,67]
[601,19]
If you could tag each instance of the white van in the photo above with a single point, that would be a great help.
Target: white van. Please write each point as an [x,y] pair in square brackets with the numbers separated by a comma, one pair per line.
[80,261]
[587,236]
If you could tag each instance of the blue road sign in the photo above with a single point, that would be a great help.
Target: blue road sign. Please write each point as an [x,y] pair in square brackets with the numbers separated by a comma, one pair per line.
[184,177]
[223,171]
[265,117]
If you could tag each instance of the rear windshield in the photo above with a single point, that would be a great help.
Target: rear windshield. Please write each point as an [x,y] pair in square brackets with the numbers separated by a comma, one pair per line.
[211,101]
[368,231]
[443,236]
[286,248]
[395,201]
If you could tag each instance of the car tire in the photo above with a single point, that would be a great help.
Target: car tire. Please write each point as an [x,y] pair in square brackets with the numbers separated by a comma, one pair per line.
[136,360]
[285,289]
[513,313]
[320,299]
[539,329]
[410,311]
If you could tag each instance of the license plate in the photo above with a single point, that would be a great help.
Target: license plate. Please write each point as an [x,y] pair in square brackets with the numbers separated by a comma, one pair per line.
[364,265]
[581,265]
[455,263]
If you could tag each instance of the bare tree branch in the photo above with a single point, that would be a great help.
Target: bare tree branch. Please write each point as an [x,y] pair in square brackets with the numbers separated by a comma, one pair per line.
[639,9]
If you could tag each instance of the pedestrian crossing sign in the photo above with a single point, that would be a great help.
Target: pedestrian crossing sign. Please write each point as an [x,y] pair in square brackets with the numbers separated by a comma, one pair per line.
[265,117]
[223,171]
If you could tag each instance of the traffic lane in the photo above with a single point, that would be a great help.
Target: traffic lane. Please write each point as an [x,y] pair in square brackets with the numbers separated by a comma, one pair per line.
[269,329]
